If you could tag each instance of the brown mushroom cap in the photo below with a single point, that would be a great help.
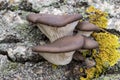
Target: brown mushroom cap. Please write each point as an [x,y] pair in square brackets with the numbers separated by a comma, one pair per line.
[67,44]
[90,43]
[64,44]
[53,20]
[86,26]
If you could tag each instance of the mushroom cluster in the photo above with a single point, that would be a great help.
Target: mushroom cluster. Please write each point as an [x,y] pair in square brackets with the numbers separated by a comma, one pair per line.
[63,41]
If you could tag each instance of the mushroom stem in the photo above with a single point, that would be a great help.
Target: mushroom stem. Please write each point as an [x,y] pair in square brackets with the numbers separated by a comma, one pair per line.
[64,44]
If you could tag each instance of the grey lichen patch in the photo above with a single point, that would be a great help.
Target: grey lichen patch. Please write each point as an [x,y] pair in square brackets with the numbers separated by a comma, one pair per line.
[10,66]
[23,29]
[109,77]
[8,21]
[37,5]
[14,5]
[29,33]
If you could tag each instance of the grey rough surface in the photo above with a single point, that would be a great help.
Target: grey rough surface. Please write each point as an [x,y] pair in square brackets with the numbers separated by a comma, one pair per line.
[13,23]
[109,77]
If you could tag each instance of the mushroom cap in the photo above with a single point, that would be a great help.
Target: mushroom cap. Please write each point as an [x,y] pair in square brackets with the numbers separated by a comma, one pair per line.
[67,44]
[90,43]
[86,26]
[53,20]
[64,44]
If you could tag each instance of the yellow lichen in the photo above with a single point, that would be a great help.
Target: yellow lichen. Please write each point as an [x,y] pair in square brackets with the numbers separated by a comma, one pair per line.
[97,17]
[90,9]
[81,69]
[108,47]
[54,66]
[108,53]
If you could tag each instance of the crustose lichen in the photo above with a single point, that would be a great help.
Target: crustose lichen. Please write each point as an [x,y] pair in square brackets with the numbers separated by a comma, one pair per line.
[108,53]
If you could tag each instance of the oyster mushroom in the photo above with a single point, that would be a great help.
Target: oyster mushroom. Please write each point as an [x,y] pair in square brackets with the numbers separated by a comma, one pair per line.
[67,44]
[53,20]
[55,27]
[85,28]
[59,29]
[64,44]
[89,43]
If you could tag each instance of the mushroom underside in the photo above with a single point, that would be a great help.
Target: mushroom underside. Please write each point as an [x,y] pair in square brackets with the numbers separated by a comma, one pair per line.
[63,42]
[54,33]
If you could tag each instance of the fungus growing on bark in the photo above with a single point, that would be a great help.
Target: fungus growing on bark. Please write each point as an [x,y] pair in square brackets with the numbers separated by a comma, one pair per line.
[64,44]
[67,44]
[59,29]
[86,26]
[53,20]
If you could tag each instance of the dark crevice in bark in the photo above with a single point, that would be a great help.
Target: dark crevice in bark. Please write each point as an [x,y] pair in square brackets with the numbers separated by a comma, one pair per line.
[24,5]
[10,39]
[113,31]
